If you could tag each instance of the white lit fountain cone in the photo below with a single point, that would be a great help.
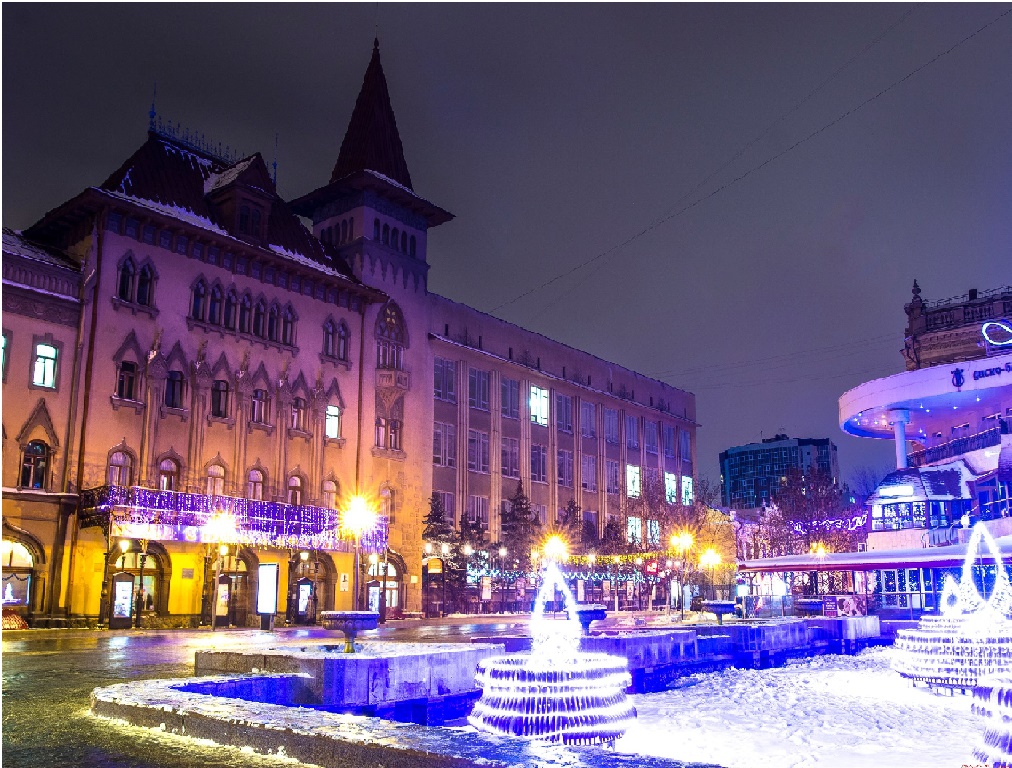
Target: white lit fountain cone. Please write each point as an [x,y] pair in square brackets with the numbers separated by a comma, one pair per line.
[556,693]
[971,638]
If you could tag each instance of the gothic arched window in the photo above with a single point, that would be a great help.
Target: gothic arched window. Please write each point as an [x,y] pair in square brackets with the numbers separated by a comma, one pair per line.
[198,301]
[35,465]
[145,282]
[125,287]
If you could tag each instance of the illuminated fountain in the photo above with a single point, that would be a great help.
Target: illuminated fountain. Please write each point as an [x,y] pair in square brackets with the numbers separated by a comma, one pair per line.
[557,692]
[971,638]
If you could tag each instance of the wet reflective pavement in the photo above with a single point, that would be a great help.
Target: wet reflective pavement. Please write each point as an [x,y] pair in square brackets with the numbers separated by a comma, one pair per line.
[48,678]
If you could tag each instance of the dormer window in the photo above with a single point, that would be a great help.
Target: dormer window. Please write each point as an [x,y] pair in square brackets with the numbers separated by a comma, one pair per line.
[255,223]
[244,220]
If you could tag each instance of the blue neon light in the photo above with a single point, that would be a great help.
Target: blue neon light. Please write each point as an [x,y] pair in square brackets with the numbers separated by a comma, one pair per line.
[1006,327]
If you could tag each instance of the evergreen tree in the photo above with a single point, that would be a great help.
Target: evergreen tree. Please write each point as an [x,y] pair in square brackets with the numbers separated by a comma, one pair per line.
[570,525]
[613,542]
[520,528]
[437,529]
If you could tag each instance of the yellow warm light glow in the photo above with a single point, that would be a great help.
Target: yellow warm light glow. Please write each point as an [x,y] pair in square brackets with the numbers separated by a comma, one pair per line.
[223,550]
[220,528]
[819,550]
[468,550]
[359,518]
[682,541]
[373,559]
[709,559]
[555,548]
[124,545]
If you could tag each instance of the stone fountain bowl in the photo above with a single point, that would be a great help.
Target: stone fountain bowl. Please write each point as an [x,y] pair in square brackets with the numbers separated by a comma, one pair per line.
[349,622]
[588,613]
[720,608]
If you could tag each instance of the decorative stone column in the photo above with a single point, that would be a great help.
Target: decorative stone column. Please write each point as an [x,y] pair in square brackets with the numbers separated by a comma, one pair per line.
[898,420]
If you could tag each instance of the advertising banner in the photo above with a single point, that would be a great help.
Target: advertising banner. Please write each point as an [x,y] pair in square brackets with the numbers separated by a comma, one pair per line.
[486,588]
[267,588]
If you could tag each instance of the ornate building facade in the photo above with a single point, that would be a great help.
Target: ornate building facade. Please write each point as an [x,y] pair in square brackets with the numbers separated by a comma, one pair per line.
[181,350]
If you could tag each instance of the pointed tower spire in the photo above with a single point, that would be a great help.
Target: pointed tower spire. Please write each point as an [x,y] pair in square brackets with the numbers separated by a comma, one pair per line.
[372,141]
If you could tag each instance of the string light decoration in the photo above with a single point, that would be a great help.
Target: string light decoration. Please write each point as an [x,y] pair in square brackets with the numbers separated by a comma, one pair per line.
[146,513]
[992,701]
[556,693]
[971,638]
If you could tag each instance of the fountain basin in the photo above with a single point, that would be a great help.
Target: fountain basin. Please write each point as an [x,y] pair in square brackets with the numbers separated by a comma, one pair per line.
[350,623]
[588,613]
[575,701]
[719,607]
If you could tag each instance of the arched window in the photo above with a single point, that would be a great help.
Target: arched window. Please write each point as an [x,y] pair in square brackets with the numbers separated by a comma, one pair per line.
[272,324]
[386,234]
[341,351]
[216,480]
[259,320]
[298,414]
[295,490]
[255,486]
[391,338]
[329,337]
[255,226]
[387,507]
[330,494]
[344,231]
[394,238]
[214,306]
[411,245]
[288,327]
[332,423]
[376,229]
[145,281]
[17,574]
[245,313]
[404,242]
[35,465]
[198,301]
[125,288]
[260,406]
[231,304]
[120,469]
[175,388]
[244,219]
[219,398]
[168,475]
[126,384]
[351,229]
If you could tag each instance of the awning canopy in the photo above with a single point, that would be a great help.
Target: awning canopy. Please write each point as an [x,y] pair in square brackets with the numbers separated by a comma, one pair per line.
[876,559]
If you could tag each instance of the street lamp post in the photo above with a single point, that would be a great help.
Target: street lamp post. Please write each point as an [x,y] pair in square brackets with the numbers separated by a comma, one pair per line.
[502,582]
[444,550]
[427,585]
[140,590]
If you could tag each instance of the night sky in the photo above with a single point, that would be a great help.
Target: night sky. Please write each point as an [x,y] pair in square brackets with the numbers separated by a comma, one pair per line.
[765,275]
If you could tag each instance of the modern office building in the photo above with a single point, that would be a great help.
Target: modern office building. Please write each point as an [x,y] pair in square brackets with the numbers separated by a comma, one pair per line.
[751,475]
[186,363]
[949,415]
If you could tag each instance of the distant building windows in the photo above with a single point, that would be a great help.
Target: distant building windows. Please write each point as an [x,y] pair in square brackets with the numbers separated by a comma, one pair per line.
[120,469]
[611,475]
[650,436]
[125,286]
[477,511]
[634,530]
[44,369]
[565,468]
[168,475]
[539,464]
[685,447]
[444,375]
[332,422]
[478,389]
[670,488]
[610,425]
[198,300]
[444,445]
[175,389]
[260,406]
[449,502]
[4,353]
[588,419]
[145,284]
[126,384]
[295,490]
[231,309]
[510,457]
[272,324]
[165,239]
[477,451]
[632,481]
[330,494]
[564,413]
[539,406]
[288,327]
[588,472]
[255,485]
[254,228]
[632,432]
[181,244]
[35,465]
[669,441]
[688,494]
[391,338]
[394,238]
[335,340]
[215,480]
[214,306]
[220,399]
[299,408]
[260,320]
[389,434]
[245,314]
[510,405]
[653,532]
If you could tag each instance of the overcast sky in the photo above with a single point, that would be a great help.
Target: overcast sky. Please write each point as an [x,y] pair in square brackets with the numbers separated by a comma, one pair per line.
[749,261]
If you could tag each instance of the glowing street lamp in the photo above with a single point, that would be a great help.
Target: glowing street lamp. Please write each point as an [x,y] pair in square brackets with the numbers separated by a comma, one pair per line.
[358,519]
[555,549]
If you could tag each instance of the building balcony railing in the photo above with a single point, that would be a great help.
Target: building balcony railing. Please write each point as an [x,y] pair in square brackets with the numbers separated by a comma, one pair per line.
[957,447]
[147,513]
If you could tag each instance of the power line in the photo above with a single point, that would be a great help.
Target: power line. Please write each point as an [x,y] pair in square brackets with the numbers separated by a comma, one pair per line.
[754,169]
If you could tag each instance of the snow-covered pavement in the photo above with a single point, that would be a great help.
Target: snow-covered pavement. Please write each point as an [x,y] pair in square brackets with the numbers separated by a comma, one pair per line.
[824,712]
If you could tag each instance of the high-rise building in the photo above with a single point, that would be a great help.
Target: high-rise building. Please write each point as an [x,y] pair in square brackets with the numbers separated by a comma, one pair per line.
[182,354]
[752,474]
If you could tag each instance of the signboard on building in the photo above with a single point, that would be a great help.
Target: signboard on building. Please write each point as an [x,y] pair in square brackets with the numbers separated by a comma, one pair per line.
[267,588]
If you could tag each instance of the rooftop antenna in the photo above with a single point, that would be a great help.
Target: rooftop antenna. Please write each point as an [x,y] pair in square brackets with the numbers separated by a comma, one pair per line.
[151,112]
[274,165]
[376,36]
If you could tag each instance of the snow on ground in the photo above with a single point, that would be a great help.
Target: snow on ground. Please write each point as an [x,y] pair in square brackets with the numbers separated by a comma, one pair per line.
[823,712]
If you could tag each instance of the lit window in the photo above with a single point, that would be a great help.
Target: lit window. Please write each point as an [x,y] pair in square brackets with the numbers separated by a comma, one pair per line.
[653,532]
[688,496]
[44,372]
[670,488]
[332,427]
[539,406]
[3,356]
[634,530]
[632,481]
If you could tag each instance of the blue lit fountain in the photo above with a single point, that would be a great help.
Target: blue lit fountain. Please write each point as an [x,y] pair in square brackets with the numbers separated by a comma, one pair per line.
[556,693]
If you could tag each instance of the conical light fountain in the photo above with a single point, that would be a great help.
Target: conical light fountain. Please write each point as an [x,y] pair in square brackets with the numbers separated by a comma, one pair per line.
[971,638]
[556,693]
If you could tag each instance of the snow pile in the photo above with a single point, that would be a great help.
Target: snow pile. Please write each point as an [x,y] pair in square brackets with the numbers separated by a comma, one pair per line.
[824,712]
